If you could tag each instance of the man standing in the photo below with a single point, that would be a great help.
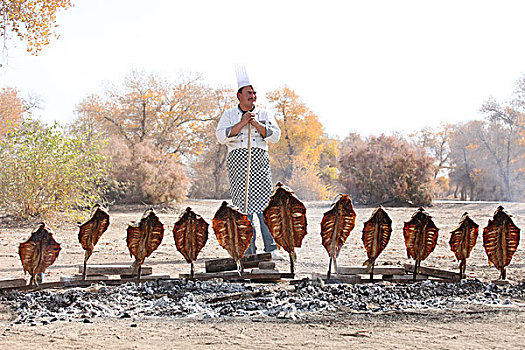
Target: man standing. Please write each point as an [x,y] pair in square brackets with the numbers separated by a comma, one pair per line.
[237,126]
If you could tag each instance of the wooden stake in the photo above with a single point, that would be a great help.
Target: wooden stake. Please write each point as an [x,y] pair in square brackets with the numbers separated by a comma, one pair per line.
[84,273]
[248,169]
[462,268]
[416,267]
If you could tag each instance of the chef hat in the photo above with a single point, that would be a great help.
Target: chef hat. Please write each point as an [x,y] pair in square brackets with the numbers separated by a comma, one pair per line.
[242,76]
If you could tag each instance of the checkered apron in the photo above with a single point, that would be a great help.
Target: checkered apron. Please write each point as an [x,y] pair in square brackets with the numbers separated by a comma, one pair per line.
[260,187]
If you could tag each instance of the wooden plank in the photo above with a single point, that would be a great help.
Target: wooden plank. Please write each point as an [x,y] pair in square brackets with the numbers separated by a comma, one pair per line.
[335,278]
[264,271]
[501,282]
[17,282]
[258,275]
[431,271]
[79,278]
[267,265]
[254,275]
[404,278]
[378,270]
[93,270]
[228,264]
[147,277]
[227,276]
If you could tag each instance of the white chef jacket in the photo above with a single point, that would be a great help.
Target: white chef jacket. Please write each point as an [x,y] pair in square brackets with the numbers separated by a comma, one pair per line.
[233,116]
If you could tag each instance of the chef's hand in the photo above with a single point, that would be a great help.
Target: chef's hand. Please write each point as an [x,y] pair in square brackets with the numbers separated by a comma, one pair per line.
[247,117]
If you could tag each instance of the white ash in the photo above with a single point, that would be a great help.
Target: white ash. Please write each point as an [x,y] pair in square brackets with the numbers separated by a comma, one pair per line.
[195,299]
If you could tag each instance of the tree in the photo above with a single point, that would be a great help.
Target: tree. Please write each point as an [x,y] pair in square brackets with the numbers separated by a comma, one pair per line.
[296,158]
[465,157]
[153,120]
[488,157]
[486,161]
[46,175]
[328,165]
[31,21]
[148,107]
[209,173]
[12,108]
[502,138]
[436,143]
[385,168]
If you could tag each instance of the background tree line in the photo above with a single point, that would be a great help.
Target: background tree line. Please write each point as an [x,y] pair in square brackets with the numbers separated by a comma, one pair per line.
[149,139]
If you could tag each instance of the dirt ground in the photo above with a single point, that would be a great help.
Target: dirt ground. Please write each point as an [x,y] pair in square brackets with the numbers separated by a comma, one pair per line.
[466,329]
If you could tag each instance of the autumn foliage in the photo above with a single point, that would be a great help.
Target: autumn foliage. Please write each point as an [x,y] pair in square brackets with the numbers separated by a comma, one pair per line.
[304,158]
[385,168]
[142,173]
[11,109]
[208,169]
[153,126]
[31,21]
[151,139]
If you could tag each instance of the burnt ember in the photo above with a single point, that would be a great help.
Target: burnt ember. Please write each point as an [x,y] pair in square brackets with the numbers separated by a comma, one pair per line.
[213,299]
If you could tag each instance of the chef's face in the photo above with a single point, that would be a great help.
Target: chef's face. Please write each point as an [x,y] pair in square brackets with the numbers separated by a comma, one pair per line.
[247,96]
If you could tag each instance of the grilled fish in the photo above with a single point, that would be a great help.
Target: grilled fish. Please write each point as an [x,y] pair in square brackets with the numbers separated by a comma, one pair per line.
[144,238]
[285,217]
[190,233]
[39,252]
[234,231]
[336,226]
[501,239]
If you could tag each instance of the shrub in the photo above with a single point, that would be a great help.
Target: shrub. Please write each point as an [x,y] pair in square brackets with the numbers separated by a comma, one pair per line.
[143,173]
[385,168]
[46,175]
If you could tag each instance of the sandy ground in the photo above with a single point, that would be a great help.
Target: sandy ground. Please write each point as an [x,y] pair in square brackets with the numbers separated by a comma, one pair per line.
[466,329]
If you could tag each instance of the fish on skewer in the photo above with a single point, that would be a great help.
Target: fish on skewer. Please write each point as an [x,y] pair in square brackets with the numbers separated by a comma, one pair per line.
[190,233]
[234,232]
[376,235]
[143,238]
[462,240]
[501,238]
[90,232]
[336,226]
[285,217]
[420,237]
[39,252]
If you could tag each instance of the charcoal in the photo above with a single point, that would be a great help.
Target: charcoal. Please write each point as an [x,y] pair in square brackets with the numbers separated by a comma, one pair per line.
[213,299]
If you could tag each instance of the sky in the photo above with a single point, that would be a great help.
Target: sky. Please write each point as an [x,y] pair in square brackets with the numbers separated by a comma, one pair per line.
[370,67]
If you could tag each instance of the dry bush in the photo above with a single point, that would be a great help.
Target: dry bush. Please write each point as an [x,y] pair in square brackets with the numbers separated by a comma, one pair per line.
[308,186]
[210,175]
[385,168]
[142,173]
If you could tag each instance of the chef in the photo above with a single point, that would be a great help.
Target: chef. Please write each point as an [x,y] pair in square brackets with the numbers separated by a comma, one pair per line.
[235,127]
